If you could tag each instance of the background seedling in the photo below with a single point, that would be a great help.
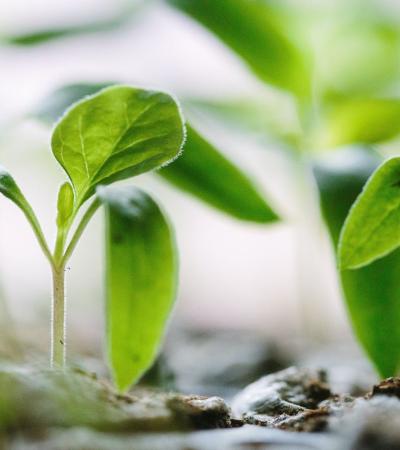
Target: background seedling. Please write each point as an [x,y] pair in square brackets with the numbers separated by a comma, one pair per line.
[339,66]
[368,245]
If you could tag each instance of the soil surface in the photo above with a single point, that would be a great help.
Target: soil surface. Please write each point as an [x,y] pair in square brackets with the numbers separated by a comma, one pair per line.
[74,410]
[294,408]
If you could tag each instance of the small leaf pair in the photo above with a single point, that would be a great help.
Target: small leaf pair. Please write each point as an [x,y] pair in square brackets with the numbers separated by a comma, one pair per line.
[118,133]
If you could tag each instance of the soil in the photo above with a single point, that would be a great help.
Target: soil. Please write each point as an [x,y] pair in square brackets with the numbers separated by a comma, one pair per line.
[293,408]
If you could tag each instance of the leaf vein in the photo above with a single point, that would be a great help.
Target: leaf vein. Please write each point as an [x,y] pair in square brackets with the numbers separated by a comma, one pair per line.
[82,142]
[369,235]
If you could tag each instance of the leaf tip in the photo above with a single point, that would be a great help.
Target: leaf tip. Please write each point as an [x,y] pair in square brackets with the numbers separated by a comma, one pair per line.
[268,216]
[122,385]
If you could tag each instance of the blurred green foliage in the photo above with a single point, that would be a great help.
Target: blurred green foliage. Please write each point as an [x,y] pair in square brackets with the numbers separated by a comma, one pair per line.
[207,174]
[337,65]
[372,292]
[350,58]
[127,11]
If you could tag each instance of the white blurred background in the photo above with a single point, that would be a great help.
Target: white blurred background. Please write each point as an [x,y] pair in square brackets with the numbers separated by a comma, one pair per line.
[279,279]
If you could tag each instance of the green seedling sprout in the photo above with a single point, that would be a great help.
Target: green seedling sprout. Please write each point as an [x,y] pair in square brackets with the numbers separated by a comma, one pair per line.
[115,134]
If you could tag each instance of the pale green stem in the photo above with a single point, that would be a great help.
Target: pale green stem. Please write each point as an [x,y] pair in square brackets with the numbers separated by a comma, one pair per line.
[58,328]
[58,325]
[79,230]
[59,246]
[30,215]
[58,314]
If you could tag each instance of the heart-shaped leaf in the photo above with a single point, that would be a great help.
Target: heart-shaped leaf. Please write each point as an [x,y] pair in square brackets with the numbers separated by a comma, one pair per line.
[115,134]
[141,265]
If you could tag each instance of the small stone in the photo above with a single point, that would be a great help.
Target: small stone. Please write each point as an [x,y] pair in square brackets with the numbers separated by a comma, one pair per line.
[288,399]
[389,386]
[286,392]
[202,412]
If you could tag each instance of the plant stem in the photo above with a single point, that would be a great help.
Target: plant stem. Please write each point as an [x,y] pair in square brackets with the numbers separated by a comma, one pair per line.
[59,260]
[80,229]
[59,246]
[37,229]
[58,347]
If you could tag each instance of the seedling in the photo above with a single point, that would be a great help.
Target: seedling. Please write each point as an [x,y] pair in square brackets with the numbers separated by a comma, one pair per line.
[115,134]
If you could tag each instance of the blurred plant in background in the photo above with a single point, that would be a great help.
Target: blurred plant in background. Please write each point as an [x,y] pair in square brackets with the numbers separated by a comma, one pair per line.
[342,71]
[330,72]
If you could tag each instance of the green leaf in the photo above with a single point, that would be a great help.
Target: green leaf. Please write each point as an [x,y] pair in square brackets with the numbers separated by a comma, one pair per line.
[141,280]
[340,177]
[271,116]
[253,29]
[116,134]
[364,121]
[53,106]
[10,189]
[65,204]
[204,172]
[96,26]
[50,34]
[373,301]
[372,227]
[358,53]
[372,293]
[201,170]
